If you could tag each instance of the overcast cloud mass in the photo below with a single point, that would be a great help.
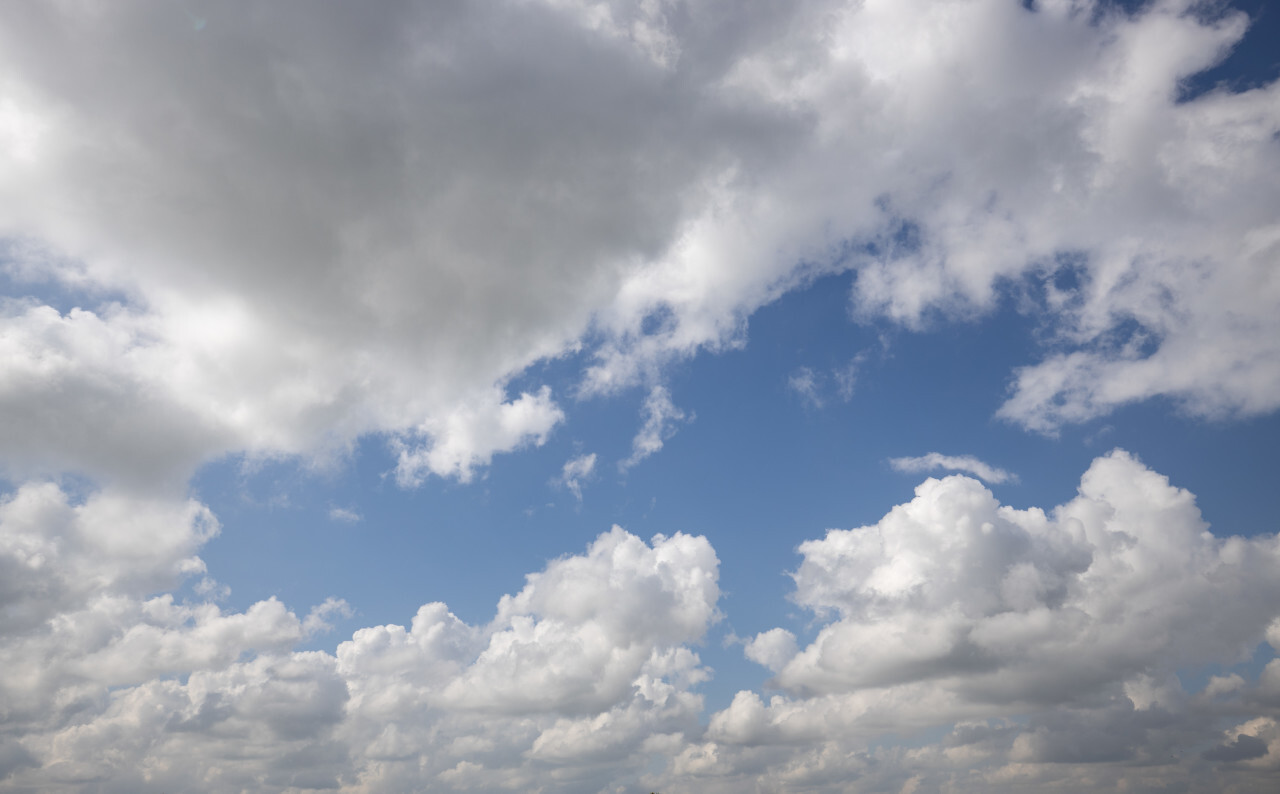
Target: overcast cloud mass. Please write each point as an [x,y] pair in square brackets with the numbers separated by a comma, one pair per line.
[270,233]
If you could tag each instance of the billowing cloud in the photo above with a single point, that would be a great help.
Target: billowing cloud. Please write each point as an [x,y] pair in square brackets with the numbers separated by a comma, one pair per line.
[965,463]
[1044,648]
[270,258]
[1046,642]
[469,435]
[586,670]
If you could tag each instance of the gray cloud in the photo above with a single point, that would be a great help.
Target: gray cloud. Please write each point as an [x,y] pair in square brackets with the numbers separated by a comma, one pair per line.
[320,222]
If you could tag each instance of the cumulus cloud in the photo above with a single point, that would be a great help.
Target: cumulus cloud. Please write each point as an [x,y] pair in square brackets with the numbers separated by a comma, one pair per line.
[660,414]
[80,610]
[1045,641]
[772,648]
[1041,644]
[965,463]
[469,435]
[587,670]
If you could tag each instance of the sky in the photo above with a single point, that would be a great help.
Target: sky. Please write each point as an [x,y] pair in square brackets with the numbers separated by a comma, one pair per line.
[614,396]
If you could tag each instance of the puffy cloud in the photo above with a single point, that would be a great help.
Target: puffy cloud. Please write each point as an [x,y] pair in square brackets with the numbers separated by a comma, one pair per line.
[1022,606]
[469,435]
[579,633]
[772,648]
[1044,645]
[1048,642]
[583,674]
[59,555]
[965,463]
[79,614]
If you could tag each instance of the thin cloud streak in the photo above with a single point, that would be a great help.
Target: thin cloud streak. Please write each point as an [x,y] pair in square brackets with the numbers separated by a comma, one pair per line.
[965,463]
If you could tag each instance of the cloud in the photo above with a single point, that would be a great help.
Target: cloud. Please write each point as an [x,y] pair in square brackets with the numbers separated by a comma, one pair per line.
[813,386]
[1023,582]
[659,416]
[577,471]
[1042,647]
[280,228]
[1046,642]
[965,463]
[262,256]
[846,377]
[469,436]
[345,515]
[586,671]
[773,648]
[1243,748]
[804,383]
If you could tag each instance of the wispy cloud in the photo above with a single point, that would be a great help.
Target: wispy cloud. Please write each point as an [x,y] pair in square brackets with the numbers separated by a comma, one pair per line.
[576,472]
[814,387]
[345,515]
[965,463]
[660,416]
[804,383]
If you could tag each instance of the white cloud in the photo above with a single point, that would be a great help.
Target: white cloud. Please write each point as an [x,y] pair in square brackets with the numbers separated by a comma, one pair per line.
[773,648]
[345,515]
[469,435]
[659,415]
[1039,643]
[965,463]
[1023,603]
[583,675]
[1045,642]
[576,472]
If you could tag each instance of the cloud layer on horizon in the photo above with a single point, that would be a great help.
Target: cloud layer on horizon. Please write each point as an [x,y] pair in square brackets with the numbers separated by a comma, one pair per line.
[1045,647]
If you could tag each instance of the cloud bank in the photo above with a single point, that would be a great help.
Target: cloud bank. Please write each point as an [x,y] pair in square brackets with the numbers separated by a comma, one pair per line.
[1037,649]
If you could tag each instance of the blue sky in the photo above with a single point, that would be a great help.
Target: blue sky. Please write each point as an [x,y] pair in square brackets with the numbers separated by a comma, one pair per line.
[640,396]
